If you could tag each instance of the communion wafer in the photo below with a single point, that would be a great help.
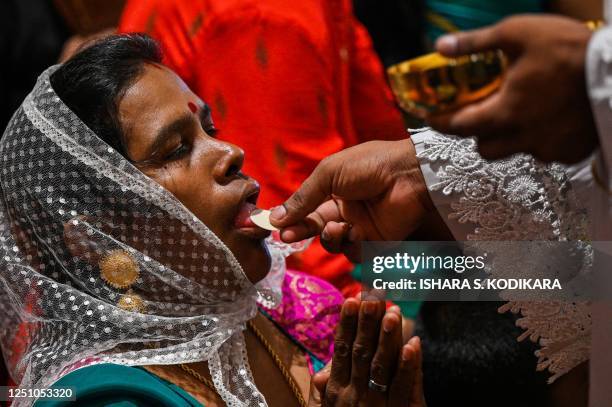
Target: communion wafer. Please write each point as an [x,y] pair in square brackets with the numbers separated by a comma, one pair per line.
[261,217]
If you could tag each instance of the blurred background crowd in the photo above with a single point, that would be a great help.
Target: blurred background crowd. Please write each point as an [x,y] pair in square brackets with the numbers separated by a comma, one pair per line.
[39,33]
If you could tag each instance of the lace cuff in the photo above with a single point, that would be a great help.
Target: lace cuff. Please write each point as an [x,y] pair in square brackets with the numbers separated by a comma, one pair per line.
[512,199]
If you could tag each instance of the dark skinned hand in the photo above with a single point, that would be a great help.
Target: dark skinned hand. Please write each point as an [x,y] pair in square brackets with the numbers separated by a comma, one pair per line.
[368,346]
[542,106]
[372,191]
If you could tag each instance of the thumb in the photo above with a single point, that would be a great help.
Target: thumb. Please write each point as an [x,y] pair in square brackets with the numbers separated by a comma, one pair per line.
[313,192]
[317,386]
[315,398]
[457,44]
[320,379]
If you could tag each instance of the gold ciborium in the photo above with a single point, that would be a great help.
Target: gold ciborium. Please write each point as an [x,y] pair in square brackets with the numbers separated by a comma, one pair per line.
[434,83]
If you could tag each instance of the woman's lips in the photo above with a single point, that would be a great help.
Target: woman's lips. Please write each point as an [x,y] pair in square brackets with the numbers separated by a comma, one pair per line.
[244,223]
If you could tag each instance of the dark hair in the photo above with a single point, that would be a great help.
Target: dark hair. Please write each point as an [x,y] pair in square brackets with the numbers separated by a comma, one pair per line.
[93,81]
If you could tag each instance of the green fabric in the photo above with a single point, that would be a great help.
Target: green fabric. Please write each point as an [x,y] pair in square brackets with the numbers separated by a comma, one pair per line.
[113,385]
[471,14]
[317,364]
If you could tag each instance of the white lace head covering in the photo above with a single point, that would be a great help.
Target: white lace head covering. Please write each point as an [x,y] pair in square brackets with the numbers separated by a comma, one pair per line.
[100,264]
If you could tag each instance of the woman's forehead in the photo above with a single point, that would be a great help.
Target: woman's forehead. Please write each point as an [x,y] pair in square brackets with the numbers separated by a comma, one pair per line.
[156,89]
[153,102]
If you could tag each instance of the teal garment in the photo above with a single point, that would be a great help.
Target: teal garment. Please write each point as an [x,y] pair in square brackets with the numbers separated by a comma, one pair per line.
[113,385]
[317,364]
[471,14]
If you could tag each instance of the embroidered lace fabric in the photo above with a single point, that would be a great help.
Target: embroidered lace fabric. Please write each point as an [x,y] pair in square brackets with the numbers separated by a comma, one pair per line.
[68,200]
[518,199]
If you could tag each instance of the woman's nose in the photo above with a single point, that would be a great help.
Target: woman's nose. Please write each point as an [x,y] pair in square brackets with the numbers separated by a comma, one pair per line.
[229,164]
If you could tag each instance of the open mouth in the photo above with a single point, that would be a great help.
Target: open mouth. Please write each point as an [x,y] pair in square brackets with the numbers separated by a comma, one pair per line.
[243,221]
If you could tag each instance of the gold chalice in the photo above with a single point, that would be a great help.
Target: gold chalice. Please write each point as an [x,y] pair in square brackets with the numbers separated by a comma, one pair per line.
[434,83]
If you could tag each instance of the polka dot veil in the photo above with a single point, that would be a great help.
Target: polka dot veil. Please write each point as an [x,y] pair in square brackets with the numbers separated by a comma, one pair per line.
[100,264]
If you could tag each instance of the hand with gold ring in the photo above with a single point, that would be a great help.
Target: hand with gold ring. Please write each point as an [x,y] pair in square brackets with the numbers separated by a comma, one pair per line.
[370,366]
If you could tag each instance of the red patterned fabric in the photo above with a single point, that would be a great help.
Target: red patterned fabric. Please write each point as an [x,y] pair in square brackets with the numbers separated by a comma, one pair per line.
[290,82]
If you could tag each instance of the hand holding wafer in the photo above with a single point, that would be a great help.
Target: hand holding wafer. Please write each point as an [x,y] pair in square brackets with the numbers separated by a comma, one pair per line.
[375,187]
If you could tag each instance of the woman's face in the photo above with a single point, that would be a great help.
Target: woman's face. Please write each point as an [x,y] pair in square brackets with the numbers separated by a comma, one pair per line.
[170,137]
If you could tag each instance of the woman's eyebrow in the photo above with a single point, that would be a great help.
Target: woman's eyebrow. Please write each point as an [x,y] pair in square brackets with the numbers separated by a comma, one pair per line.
[177,126]
[181,124]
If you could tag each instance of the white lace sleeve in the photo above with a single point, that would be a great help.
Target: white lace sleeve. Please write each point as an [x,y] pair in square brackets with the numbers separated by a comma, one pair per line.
[512,199]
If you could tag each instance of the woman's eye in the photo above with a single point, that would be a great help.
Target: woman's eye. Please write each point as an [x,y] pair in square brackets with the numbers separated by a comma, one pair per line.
[178,152]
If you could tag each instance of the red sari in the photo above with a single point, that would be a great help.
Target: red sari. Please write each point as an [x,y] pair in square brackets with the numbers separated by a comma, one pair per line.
[290,82]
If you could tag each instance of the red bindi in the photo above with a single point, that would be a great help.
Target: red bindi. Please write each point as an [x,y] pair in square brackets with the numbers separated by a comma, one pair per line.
[192,107]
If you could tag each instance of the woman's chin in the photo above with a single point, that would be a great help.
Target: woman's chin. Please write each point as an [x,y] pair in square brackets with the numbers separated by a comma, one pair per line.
[255,261]
[256,274]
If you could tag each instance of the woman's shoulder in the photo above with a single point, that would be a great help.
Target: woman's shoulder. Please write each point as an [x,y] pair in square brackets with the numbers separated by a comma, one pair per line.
[111,384]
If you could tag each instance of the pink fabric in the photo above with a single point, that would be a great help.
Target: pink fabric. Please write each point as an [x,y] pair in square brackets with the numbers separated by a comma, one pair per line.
[309,313]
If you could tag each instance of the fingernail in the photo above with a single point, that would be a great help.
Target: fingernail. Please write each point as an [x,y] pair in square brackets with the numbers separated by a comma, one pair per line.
[350,308]
[388,324]
[325,235]
[278,213]
[369,307]
[394,308]
[447,44]
[406,353]
[414,341]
